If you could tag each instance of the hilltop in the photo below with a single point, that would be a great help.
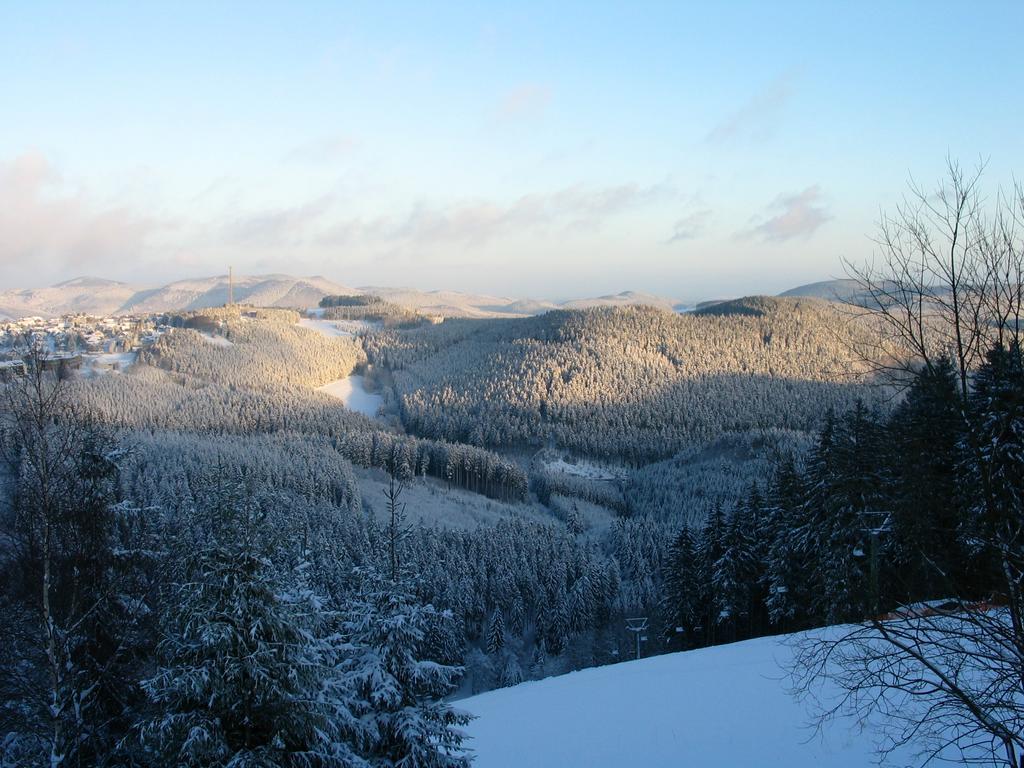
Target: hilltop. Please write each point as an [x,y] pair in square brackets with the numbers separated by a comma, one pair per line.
[99,296]
[96,296]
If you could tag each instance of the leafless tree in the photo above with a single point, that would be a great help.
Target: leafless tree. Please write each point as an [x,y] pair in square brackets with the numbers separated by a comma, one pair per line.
[947,284]
[57,528]
[948,678]
[946,280]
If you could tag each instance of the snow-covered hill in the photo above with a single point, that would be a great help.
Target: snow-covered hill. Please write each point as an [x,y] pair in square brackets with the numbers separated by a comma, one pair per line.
[711,708]
[830,290]
[624,299]
[96,296]
[259,290]
[89,295]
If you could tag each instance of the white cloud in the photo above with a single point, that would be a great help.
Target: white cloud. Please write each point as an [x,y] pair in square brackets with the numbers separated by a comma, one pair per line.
[276,227]
[477,222]
[46,227]
[524,101]
[791,216]
[754,118]
[326,149]
[690,226]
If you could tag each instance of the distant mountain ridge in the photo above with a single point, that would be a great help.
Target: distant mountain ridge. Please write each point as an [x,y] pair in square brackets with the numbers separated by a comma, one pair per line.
[97,296]
[100,296]
[831,290]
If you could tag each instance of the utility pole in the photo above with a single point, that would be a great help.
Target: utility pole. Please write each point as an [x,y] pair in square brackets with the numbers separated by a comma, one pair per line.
[637,626]
[231,286]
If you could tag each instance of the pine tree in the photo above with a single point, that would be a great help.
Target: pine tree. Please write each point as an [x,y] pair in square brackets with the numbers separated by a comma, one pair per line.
[709,551]
[996,457]
[926,430]
[681,601]
[409,723]
[496,633]
[574,521]
[539,663]
[735,574]
[71,605]
[846,492]
[249,668]
[511,673]
[786,577]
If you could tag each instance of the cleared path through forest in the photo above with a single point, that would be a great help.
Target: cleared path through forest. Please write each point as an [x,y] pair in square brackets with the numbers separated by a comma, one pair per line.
[351,390]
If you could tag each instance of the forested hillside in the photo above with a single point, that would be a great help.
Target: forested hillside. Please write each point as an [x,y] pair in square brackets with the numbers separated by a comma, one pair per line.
[723,474]
[634,383]
[262,381]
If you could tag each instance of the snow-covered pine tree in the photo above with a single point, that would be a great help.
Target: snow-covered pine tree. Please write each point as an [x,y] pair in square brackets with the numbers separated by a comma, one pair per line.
[681,600]
[68,596]
[479,671]
[249,670]
[539,662]
[786,583]
[402,692]
[847,489]
[709,550]
[734,574]
[511,673]
[996,457]
[926,430]
[574,521]
[496,633]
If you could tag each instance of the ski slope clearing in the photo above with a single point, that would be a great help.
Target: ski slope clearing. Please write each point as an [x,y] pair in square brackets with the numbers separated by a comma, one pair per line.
[588,470]
[217,341]
[721,706]
[346,328]
[351,391]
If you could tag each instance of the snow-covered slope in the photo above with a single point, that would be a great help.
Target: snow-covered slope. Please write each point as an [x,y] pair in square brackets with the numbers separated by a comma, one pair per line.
[831,290]
[95,296]
[259,290]
[624,299]
[447,303]
[710,708]
[457,304]
[90,295]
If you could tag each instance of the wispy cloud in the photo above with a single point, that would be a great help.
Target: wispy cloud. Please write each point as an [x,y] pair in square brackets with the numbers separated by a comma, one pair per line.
[790,216]
[46,225]
[275,228]
[691,226]
[754,118]
[524,101]
[479,221]
[323,150]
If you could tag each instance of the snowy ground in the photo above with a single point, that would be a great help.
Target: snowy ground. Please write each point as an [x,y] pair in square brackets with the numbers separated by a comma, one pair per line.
[586,469]
[430,501]
[336,327]
[351,391]
[217,341]
[721,706]
[95,365]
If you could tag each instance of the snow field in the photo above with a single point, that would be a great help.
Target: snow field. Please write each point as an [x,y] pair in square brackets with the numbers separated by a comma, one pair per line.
[722,706]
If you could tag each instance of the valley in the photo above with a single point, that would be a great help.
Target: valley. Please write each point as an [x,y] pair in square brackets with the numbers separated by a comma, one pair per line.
[440,385]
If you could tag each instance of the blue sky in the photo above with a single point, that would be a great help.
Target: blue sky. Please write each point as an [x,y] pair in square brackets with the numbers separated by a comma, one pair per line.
[548,149]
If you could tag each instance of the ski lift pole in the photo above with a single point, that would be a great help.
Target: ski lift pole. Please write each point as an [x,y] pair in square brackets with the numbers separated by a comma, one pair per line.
[637,626]
[877,523]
